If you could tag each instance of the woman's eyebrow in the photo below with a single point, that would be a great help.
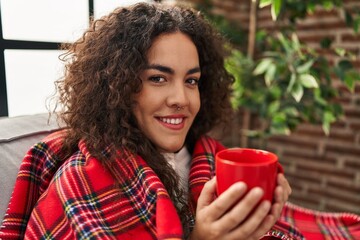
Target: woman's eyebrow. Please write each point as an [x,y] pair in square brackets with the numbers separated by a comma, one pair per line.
[169,70]
[194,70]
[161,68]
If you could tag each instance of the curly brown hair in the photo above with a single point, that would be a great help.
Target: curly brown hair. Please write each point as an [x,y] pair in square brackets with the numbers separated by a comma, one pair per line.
[102,77]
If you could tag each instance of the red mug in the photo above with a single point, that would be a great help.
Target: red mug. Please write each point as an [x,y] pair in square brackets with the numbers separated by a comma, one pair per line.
[257,168]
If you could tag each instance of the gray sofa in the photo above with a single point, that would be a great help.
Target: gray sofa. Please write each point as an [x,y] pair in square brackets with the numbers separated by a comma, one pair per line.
[17,135]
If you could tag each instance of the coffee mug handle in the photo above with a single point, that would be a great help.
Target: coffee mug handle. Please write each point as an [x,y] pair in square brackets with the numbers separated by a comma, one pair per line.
[280,169]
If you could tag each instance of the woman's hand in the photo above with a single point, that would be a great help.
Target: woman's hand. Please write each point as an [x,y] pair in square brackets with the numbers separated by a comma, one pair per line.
[281,195]
[228,218]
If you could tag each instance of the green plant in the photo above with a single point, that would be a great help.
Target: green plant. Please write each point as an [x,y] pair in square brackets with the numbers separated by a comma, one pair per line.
[228,29]
[288,83]
[295,9]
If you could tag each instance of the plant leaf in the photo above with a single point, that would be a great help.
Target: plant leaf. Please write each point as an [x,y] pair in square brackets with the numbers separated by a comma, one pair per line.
[326,43]
[252,133]
[318,98]
[296,42]
[349,82]
[292,82]
[328,5]
[340,51]
[308,81]
[285,43]
[275,9]
[291,111]
[328,118]
[279,118]
[282,130]
[310,8]
[270,74]
[276,92]
[342,67]
[305,67]
[262,66]
[297,92]
[264,3]
[345,65]
[356,25]
[326,128]
[273,107]
[348,18]
[350,79]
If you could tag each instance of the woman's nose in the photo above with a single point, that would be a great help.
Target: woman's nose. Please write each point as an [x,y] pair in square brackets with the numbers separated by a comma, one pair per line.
[178,96]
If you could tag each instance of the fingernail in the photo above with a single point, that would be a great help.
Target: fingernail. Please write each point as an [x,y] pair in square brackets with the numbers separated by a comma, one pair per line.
[266,205]
[239,185]
[257,191]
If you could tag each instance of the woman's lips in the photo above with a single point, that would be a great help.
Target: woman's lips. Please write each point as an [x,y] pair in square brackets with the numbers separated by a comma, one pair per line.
[172,122]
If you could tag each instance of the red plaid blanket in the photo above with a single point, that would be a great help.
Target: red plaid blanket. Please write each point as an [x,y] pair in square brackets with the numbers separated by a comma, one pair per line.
[76,198]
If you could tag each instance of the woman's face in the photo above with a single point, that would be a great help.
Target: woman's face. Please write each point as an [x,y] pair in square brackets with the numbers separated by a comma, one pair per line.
[169,99]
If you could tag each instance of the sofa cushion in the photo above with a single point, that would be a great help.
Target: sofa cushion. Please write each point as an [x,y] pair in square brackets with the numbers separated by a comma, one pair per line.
[17,135]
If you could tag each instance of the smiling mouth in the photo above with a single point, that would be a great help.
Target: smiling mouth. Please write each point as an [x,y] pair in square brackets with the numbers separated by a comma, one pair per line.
[173,121]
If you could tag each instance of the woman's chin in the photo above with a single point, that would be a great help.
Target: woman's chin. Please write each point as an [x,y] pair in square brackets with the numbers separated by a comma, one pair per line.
[171,149]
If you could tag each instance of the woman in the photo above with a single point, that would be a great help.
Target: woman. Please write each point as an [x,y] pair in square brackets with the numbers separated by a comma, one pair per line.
[142,88]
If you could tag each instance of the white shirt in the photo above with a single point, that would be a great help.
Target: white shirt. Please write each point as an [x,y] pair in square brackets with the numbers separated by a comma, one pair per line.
[180,161]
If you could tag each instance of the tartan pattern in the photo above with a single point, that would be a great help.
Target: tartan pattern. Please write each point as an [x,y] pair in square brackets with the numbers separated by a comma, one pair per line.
[81,200]
[202,167]
[76,198]
[322,225]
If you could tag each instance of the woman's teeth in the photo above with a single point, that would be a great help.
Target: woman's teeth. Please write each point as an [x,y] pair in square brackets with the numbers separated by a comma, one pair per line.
[172,120]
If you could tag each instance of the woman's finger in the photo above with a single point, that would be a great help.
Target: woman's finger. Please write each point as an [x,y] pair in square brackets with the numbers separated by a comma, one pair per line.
[265,226]
[279,201]
[276,209]
[253,225]
[207,194]
[226,200]
[273,215]
[241,210]
[280,195]
[285,184]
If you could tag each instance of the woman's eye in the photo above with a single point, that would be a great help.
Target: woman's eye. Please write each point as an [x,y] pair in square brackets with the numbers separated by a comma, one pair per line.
[192,81]
[157,79]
